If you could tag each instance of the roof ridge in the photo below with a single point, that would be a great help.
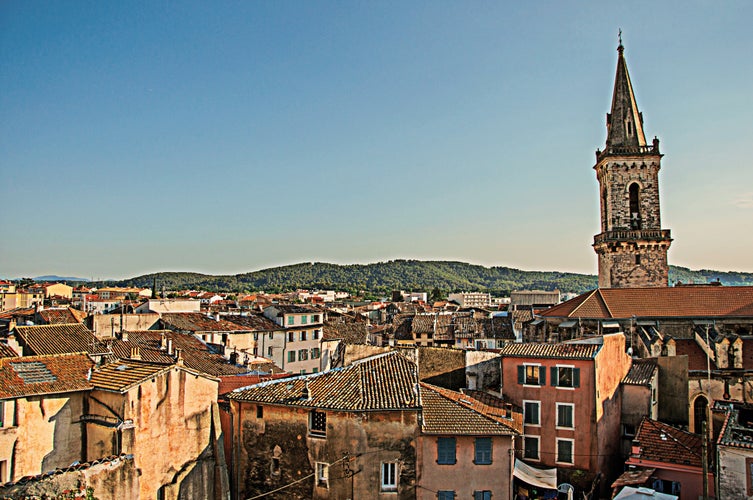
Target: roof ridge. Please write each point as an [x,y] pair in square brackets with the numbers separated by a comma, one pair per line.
[441,392]
[583,302]
[662,428]
[604,301]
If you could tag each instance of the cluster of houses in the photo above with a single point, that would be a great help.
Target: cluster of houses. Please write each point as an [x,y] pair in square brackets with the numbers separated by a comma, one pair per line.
[616,389]
[634,390]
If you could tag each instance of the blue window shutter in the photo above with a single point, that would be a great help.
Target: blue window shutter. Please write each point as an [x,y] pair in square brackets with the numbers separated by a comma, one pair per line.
[576,377]
[542,375]
[521,374]
[553,373]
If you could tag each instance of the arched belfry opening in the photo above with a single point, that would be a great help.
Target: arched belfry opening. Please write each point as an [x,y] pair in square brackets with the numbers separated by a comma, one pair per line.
[635,210]
[700,413]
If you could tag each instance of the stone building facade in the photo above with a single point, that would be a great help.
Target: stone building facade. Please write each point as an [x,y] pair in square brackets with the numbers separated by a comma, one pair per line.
[632,246]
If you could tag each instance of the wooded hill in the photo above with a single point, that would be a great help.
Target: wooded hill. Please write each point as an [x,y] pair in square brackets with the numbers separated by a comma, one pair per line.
[409,275]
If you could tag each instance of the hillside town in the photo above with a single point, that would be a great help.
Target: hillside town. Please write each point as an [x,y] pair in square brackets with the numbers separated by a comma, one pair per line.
[636,389]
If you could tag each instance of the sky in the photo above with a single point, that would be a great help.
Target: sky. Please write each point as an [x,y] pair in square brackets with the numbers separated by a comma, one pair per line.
[228,137]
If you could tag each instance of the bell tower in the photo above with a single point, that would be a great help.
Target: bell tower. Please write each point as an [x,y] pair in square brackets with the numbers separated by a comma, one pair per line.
[632,246]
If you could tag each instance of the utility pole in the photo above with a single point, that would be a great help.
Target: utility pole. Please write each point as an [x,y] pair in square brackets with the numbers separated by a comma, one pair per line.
[705,461]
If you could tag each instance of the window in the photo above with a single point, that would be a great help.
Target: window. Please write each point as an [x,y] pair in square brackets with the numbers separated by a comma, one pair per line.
[3,471]
[565,376]
[317,333]
[482,495]
[748,469]
[637,259]
[565,451]
[269,351]
[531,410]
[389,476]
[259,411]
[315,353]
[303,335]
[445,495]
[318,423]
[315,318]
[565,415]
[303,355]
[446,451]
[291,336]
[291,356]
[531,447]
[483,451]
[322,474]
[531,375]
[256,335]
[291,320]
[271,335]
[628,430]
[2,417]
[304,319]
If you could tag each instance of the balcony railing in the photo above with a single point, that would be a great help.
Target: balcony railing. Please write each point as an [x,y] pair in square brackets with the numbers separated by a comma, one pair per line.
[652,149]
[639,234]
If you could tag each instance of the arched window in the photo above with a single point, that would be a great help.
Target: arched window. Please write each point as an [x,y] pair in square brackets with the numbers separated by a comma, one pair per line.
[635,215]
[700,413]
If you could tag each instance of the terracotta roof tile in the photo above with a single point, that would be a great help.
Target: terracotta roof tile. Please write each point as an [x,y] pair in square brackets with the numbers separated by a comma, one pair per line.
[544,350]
[383,382]
[661,442]
[451,412]
[198,322]
[59,339]
[61,316]
[196,354]
[34,375]
[669,302]
[122,375]
[642,372]
[6,351]
[253,322]
[350,333]
[737,430]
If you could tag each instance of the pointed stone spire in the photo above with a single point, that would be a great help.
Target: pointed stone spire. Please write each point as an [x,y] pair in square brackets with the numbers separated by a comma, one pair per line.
[625,122]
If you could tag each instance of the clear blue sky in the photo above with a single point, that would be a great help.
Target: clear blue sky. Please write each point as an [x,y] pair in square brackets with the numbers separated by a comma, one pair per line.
[226,137]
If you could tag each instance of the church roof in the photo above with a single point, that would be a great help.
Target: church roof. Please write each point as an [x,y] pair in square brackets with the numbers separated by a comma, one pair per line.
[624,122]
[658,302]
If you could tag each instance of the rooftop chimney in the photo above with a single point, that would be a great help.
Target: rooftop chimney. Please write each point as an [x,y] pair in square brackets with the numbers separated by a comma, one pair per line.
[135,353]
[179,357]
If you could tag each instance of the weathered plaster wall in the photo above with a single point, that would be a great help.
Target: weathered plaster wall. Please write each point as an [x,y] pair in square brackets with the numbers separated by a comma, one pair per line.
[178,401]
[49,434]
[464,477]
[368,437]
[114,479]
[733,467]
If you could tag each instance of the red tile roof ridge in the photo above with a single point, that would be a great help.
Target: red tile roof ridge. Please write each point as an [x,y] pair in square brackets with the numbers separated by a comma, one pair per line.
[472,404]
[670,432]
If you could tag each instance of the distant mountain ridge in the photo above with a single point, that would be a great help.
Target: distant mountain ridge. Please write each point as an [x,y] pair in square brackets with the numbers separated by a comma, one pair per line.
[413,275]
[55,278]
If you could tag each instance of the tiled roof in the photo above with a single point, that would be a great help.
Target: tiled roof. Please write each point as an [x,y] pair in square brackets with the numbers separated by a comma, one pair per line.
[59,339]
[231,383]
[61,316]
[253,321]
[196,354]
[383,382]
[450,412]
[737,430]
[295,309]
[543,350]
[670,302]
[197,322]
[402,327]
[6,351]
[122,375]
[34,375]
[661,442]
[641,372]
[350,333]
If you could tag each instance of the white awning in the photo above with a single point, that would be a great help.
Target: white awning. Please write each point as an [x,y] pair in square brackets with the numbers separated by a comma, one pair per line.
[537,322]
[569,323]
[543,478]
[610,324]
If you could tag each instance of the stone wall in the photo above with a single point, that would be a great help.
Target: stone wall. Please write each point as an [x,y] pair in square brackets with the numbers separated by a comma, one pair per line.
[275,450]
[112,478]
